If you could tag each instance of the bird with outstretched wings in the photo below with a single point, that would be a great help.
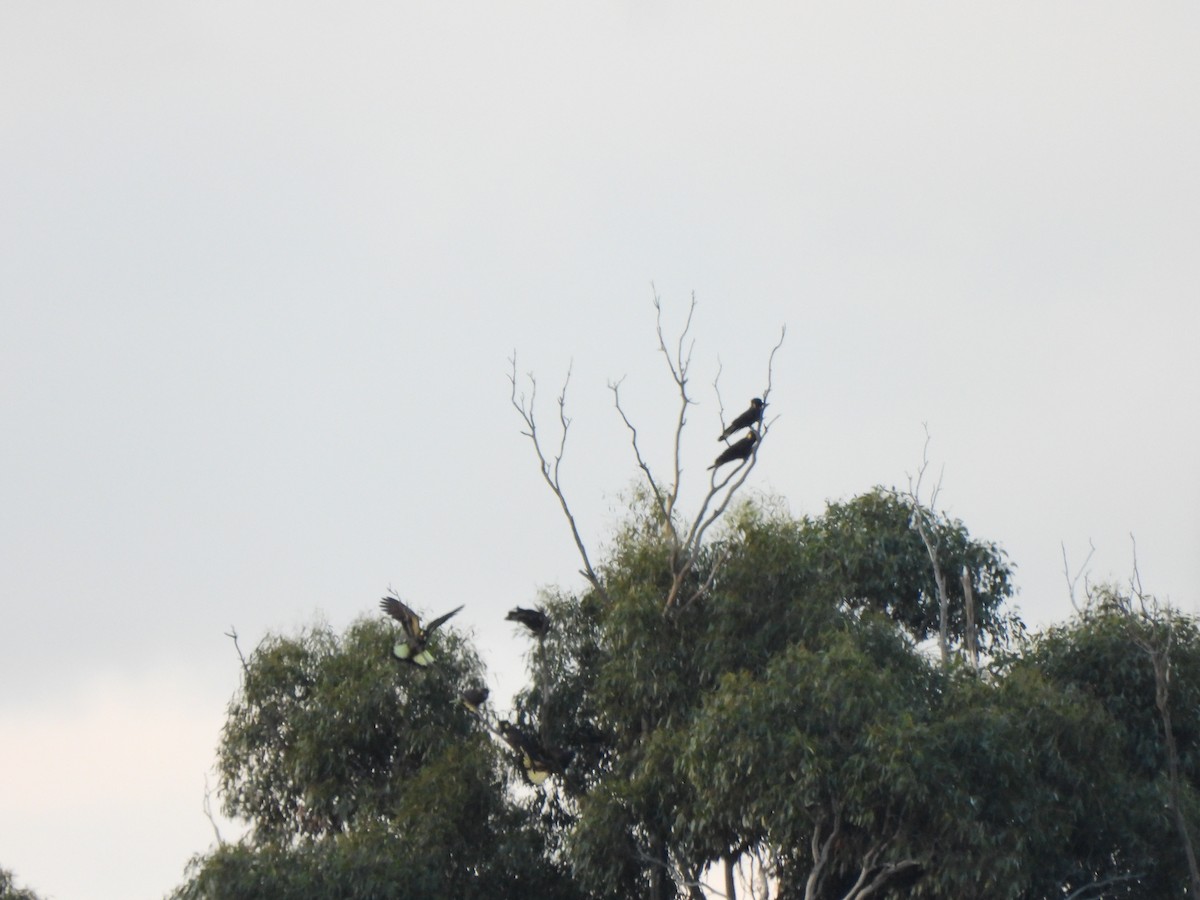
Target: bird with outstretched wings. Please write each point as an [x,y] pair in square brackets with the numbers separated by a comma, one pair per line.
[412,648]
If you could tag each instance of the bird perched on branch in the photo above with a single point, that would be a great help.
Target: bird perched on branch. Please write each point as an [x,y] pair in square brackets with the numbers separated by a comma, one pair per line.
[473,698]
[535,620]
[740,450]
[412,648]
[537,763]
[748,419]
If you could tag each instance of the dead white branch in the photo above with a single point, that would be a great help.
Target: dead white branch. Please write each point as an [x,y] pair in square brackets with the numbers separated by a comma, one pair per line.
[924,519]
[550,472]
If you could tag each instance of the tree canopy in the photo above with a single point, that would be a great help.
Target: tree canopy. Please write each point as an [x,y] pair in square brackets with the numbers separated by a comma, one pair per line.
[786,733]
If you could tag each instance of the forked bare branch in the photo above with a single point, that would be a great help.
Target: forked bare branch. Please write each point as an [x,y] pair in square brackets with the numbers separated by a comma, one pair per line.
[720,493]
[233,635]
[1081,572]
[550,472]
[679,366]
[684,542]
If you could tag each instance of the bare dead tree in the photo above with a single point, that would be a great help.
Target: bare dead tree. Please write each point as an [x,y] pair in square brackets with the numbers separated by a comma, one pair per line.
[924,521]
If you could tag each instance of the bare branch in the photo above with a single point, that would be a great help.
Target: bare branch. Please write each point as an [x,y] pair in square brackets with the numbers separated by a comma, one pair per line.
[882,876]
[208,813]
[684,876]
[721,491]
[1078,893]
[1072,582]
[771,362]
[525,408]
[233,635]
[663,505]
[923,520]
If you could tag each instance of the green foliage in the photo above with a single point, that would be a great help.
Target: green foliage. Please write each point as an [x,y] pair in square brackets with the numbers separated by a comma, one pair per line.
[9,889]
[791,702]
[869,554]
[785,708]
[364,777]
[1096,659]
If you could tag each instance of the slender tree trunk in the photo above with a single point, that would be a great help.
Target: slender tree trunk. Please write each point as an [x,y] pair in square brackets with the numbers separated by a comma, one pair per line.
[730,887]
[972,629]
[662,886]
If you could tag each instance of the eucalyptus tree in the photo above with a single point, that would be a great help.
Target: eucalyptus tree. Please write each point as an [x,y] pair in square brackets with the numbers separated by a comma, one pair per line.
[769,721]
[363,777]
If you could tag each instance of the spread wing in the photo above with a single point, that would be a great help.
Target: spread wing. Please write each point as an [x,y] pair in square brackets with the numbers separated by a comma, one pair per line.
[402,614]
[440,619]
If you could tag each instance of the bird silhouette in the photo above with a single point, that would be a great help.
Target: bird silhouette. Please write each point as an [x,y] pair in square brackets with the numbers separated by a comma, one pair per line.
[740,450]
[535,620]
[412,648]
[749,418]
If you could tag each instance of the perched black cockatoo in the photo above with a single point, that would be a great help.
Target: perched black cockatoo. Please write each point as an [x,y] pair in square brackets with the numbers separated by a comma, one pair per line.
[749,418]
[537,763]
[740,450]
[412,648]
[473,698]
[535,620]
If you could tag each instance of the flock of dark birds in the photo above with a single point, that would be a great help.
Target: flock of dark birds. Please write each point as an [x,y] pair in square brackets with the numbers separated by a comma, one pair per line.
[538,762]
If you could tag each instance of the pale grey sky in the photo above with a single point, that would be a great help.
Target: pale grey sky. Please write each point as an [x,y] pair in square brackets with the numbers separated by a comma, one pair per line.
[262,266]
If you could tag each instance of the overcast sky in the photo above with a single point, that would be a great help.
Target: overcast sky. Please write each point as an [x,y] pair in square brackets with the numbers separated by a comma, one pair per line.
[262,267]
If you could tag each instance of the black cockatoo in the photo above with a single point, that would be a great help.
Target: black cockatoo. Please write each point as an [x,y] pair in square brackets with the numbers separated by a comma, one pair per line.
[537,763]
[473,698]
[749,418]
[740,450]
[534,619]
[412,648]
